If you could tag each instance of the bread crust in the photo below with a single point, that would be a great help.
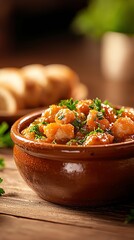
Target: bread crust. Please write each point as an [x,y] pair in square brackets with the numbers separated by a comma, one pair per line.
[8,102]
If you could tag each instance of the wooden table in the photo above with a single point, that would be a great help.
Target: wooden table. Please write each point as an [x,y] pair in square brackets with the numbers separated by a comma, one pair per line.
[23,215]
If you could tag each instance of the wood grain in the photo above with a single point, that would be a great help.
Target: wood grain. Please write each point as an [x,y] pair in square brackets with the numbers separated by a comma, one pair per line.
[22,210]
[19,228]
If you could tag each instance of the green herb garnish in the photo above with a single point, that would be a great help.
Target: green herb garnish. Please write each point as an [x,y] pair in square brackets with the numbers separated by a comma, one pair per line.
[98,130]
[77,123]
[61,117]
[2,163]
[106,102]
[96,104]
[1,189]
[35,129]
[44,122]
[120,111]
[5,139]
[69,103]
[71,142]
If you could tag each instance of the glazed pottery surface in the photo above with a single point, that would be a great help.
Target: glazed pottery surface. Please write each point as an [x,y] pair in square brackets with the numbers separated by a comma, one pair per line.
[72,175]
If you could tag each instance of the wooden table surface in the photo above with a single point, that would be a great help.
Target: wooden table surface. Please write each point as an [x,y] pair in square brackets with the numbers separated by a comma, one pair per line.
[23,215]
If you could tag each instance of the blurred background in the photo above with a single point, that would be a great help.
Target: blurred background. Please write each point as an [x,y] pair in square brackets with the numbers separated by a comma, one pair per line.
[77,33]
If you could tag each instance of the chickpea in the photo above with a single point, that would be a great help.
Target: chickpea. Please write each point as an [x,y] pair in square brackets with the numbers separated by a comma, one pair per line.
[49,114]
[94,122]
[98,138]
[109,113]
[128,112]
[64,116]
[55,131]
[83,106]
[123,127]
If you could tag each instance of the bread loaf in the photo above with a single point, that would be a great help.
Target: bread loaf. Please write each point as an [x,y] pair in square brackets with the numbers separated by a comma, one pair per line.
[8,102]
[36,85]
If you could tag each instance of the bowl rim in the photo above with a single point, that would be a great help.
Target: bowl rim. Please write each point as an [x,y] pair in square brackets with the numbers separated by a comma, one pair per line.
[19,139]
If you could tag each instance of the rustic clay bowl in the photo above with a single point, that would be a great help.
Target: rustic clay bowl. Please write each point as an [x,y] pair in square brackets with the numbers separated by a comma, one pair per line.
[71,175]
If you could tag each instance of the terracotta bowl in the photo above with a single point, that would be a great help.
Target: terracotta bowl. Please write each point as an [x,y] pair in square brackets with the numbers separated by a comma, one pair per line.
[71,175]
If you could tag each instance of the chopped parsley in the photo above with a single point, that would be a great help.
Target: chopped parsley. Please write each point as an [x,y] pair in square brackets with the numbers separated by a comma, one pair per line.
[71,142]
[69,103]
[5,139]
[1,189]
[44,122]
[98,130]
[60,117]
[35,129]
[120,111]
[106,102]
[77,123]
[96,104]
[2,163]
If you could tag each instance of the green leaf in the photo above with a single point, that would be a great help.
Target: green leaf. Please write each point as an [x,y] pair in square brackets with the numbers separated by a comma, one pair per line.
[102,16]
[98,130]
[120,111]
[2,163]
[96,104]
[69,103]
[3,128]
[5,139]
[1,189]
[35,129]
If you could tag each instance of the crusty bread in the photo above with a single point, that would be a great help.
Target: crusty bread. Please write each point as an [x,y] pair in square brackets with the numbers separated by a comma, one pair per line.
[36,85]
[8,102]
[36,82]
[11,79]
[64,74]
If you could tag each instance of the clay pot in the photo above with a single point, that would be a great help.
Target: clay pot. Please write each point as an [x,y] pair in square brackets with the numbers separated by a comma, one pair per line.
[74,175]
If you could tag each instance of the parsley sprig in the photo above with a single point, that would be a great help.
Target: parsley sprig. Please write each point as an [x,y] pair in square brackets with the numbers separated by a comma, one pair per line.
[120,111]
[1,189]
[2,165]
[96,104]
[35,129]
[69,103]
[5,139]
[97,130]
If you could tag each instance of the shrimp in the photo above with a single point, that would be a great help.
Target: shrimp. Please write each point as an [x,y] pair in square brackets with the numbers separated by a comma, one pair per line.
[83,106]
[99,138]
[49,114]
[55,131]
[123,127]
[96,119]
[64,116]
